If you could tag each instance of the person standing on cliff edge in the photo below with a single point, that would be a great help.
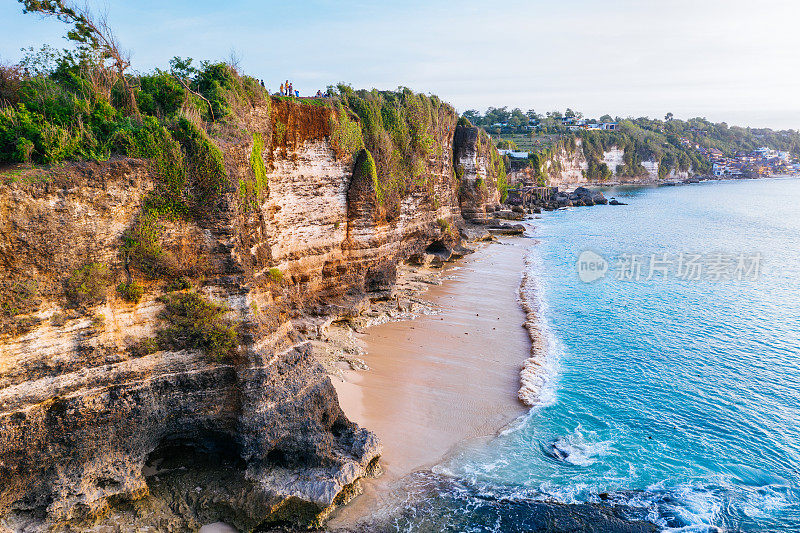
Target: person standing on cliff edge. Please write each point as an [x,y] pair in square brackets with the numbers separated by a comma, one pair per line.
[281,89]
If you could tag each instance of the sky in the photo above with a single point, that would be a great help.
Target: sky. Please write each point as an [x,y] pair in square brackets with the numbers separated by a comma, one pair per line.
[736,61]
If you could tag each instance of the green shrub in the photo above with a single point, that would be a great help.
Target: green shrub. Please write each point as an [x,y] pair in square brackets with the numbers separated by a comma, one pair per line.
[142,249]
[345,133]
[62,119]
[197,323]
[257,163]
[499,170]
[280,132]
[160,94]
[275,275]
[216,82]
[18,298]
[223,87]
[145,347]
[365,169]
[252,188]
[187,151]
[464,121]
[399,129]
[507,144]
[179,284]
[88,285]
[203,162]
[153,141]
[131,291]
[26,136]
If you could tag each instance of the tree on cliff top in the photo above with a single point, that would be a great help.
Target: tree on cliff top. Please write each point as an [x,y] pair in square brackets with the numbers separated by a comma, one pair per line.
[93,37]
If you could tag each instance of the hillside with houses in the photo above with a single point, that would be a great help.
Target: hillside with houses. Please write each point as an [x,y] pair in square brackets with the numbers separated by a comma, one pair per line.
[620,150]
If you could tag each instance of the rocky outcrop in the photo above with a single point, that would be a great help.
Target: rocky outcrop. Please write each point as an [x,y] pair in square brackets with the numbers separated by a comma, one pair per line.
[85,421]
[568,167]
[480,172]
[97,429]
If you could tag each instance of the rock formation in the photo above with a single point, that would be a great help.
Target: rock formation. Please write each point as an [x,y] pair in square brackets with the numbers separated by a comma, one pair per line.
[480,171]
[196,399]
[567,166]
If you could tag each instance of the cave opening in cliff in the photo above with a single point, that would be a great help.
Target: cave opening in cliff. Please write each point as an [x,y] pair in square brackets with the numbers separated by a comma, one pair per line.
[436,247]
[207,448]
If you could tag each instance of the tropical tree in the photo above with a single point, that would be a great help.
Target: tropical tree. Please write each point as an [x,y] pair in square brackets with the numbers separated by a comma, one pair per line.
[93,37]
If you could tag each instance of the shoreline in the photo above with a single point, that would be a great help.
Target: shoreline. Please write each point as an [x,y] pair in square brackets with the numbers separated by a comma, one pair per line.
[438,380]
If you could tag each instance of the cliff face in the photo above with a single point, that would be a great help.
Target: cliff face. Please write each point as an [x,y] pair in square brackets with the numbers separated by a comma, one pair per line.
[568,168]
[95,428]
[479,171]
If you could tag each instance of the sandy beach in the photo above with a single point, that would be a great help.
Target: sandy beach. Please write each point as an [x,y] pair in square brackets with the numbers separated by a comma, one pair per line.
[439,380]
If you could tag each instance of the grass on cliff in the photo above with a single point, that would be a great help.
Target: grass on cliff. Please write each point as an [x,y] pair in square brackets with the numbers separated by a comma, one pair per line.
[18,298]
[346,136]
[365,171]
[131,291]
[499,173]
[67,110]
[62,112]
[88,285]
[497,170]
[399,129]
[192,175]
[194,322]
[251,189]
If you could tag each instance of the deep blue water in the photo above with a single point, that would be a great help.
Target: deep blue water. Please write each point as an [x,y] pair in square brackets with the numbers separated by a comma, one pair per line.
[679,397]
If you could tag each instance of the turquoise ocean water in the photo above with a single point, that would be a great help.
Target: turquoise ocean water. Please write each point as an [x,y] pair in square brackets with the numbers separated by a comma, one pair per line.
[679,397]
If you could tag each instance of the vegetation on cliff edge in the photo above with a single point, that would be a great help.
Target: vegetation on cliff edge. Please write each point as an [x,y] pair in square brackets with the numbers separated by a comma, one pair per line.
[399,129]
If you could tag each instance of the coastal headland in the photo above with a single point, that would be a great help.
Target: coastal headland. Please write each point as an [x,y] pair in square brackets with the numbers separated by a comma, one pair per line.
[172,277]
[159,307]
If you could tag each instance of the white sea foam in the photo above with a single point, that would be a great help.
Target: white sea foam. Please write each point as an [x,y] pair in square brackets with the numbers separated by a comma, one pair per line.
[579,448]
[537,386]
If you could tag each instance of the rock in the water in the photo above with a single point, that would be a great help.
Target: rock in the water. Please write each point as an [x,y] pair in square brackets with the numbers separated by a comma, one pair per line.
[507,229]
[583,197]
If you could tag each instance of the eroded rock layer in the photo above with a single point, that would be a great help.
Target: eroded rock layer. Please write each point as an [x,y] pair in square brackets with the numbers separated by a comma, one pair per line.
[106,419]
[478,168]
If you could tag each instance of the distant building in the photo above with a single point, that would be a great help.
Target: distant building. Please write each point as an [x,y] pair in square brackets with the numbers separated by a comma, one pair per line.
[582,125]
[514,154]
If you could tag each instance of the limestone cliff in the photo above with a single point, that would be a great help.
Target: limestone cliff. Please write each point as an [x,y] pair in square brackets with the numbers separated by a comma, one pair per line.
[480,171]
[118,408]
[567,166]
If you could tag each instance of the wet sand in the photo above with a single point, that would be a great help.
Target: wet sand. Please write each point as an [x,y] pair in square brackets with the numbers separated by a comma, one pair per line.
[439,380]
